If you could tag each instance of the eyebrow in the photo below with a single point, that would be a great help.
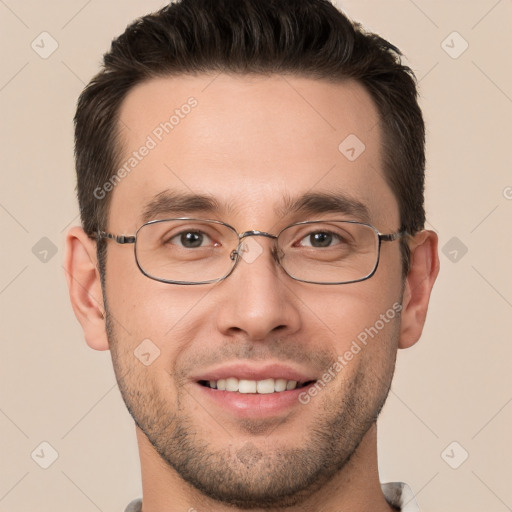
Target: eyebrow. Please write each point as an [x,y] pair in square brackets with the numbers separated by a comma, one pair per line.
[171,202]
[313,203]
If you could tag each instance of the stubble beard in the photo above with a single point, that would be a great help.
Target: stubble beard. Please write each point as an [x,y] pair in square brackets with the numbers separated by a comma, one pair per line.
[243,475]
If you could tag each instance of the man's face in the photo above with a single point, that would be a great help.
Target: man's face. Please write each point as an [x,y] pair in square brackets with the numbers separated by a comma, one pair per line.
[254,145]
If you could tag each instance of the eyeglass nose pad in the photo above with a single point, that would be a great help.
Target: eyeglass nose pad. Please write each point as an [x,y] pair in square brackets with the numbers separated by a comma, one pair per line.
[278,253]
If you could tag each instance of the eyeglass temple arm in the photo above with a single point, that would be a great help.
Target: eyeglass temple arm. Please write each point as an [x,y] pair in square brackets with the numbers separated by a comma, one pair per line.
[392,236]
[120,239]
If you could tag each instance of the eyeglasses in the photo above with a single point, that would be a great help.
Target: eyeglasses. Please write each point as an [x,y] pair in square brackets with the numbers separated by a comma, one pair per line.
[195,251]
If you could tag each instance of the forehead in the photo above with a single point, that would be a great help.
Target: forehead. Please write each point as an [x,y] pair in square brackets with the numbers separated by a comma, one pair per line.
[252,144]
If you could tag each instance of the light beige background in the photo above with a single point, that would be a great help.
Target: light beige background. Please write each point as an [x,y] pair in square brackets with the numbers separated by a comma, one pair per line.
[455,385]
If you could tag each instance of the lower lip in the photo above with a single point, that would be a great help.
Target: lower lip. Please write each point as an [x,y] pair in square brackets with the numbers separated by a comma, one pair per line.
[254,405]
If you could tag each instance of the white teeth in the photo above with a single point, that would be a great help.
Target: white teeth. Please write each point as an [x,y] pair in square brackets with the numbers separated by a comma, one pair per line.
[263,387]
[291,384]
[246,386]
[231,384]
[280,385]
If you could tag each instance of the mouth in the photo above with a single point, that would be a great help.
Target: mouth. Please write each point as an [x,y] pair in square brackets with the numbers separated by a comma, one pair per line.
[253,391]
[261,387]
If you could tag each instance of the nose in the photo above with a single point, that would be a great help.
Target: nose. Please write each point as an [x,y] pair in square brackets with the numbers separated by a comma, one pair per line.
[257,298]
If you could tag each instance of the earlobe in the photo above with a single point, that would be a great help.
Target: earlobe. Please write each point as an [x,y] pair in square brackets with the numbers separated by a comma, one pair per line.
[84,284]
[423,271]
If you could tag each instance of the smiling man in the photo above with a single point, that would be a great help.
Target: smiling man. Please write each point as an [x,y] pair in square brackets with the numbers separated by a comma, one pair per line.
[252,251]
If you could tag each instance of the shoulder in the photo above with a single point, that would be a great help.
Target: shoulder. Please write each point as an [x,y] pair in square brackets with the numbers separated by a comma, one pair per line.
[401,496]
[134,506]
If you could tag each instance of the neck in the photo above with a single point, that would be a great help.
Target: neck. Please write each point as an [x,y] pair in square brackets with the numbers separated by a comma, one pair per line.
[355,487]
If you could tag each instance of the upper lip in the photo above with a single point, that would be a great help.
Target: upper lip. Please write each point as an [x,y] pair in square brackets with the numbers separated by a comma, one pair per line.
[254,372]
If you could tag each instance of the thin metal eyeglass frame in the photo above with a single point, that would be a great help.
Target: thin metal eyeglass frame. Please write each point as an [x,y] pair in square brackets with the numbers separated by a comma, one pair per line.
[235,253]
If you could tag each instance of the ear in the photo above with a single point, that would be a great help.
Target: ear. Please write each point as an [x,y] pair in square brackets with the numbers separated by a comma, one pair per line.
[83,278]
[424,267]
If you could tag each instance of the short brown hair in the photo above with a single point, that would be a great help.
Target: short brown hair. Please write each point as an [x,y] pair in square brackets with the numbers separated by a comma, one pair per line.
[308,38]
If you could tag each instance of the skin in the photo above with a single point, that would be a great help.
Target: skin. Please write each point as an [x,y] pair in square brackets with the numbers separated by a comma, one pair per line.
[251,142]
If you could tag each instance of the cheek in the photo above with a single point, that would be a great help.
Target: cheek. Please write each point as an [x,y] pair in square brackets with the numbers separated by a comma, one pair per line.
[345,311]
[143,308]
[366,356]
[362,322]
